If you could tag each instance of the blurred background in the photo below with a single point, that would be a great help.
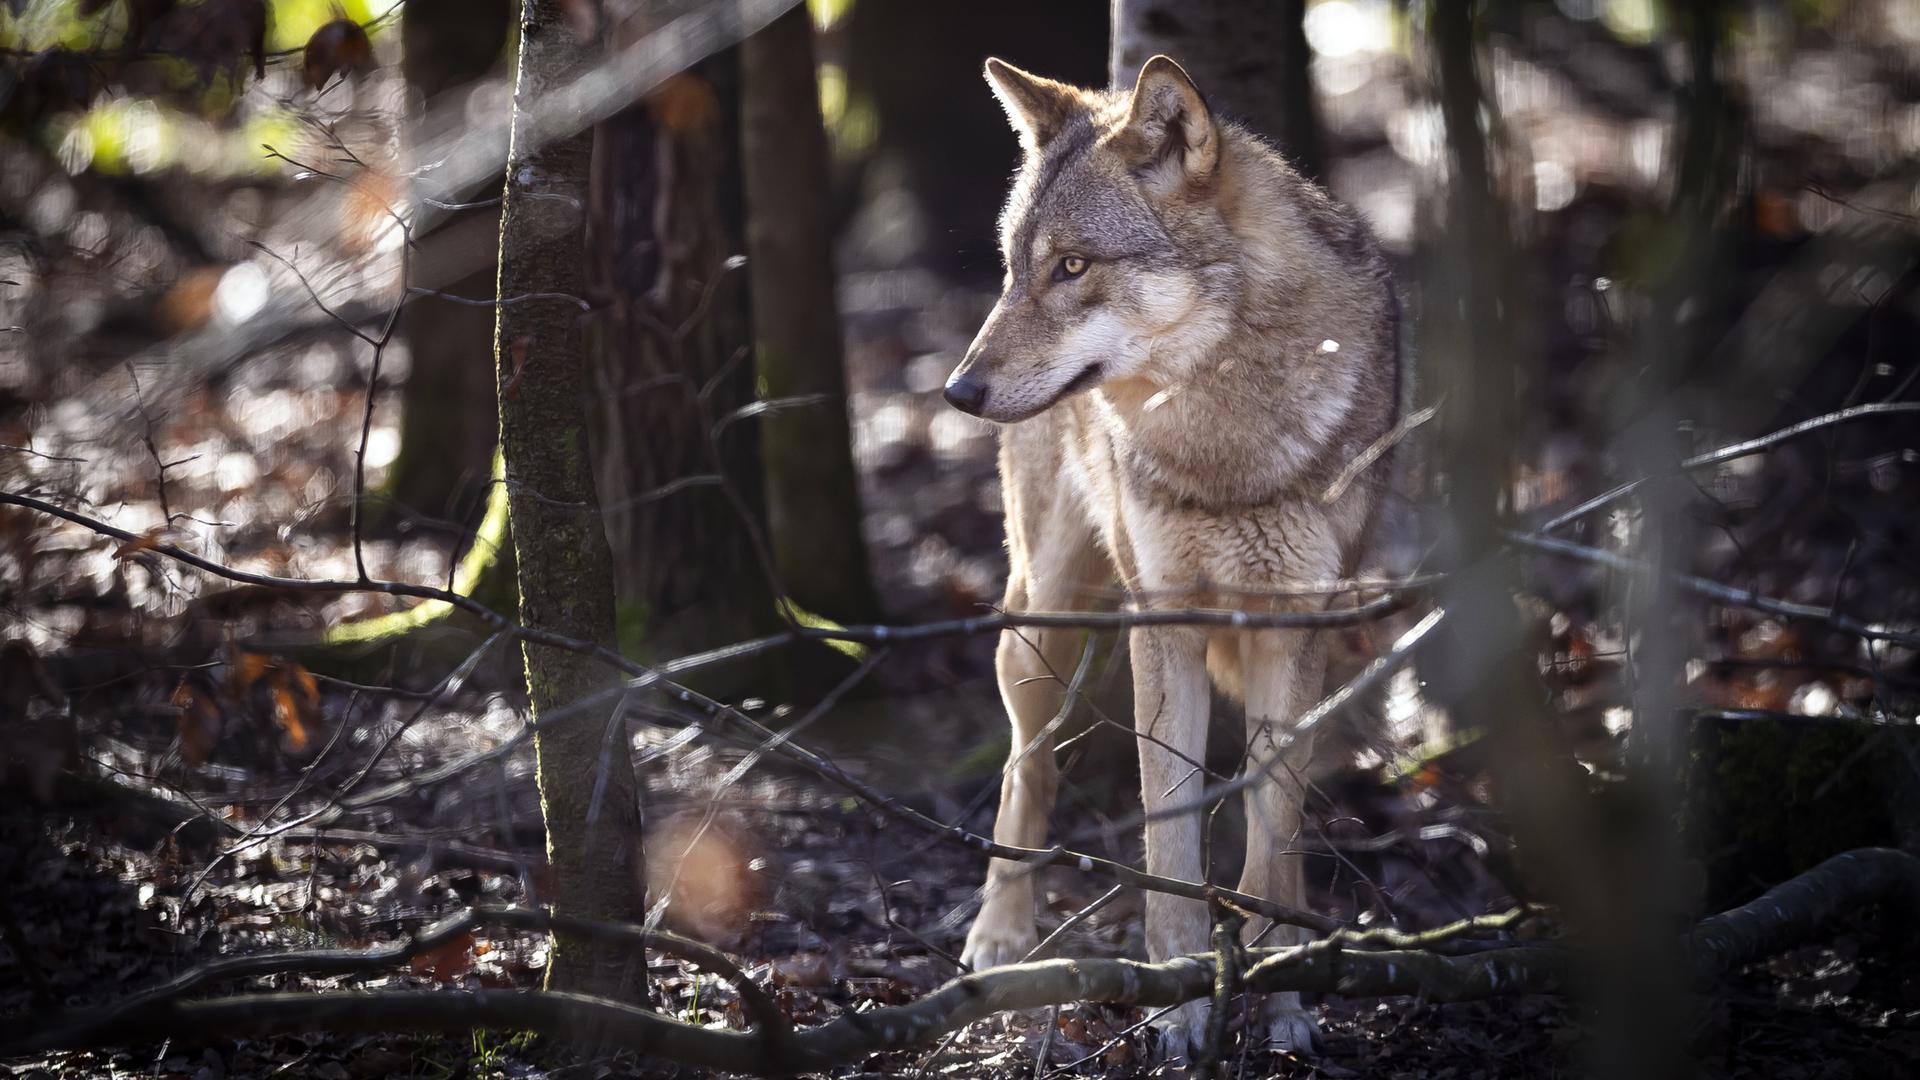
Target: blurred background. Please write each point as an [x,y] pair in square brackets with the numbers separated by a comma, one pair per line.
[250,272]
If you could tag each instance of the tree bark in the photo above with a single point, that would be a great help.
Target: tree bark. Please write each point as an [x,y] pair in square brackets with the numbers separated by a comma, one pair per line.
[585,770]
[670,360]
[812,489]
[1249,57]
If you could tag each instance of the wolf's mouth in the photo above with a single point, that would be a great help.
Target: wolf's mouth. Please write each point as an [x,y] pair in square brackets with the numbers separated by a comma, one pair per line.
[1081,381]
[1078,382]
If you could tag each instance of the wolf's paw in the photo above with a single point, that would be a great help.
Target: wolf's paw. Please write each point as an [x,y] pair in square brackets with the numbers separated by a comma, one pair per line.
[1292,1030]
[996,941]
[1182,1033]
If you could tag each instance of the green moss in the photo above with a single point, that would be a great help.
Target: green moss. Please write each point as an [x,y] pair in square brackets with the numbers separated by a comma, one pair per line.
[631,620]
[808,619]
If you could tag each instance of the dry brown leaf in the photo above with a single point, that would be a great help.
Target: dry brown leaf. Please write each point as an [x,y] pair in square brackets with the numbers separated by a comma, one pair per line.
[286,715]
[146,541]
[188,302]
[447,962]
[804,969]
[304,682]
[339,46]
[246,669]
[198,723]
[684,104]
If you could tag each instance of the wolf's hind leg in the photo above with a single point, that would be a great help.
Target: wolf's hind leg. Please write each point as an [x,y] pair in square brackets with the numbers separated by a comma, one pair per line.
[1283,675]
[1056,567]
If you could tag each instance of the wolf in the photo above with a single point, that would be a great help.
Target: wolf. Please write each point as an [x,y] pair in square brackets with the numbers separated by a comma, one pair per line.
[1193,348]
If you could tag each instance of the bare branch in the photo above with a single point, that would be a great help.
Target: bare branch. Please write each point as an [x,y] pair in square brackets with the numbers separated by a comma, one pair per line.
[1732,451]
[1719,593]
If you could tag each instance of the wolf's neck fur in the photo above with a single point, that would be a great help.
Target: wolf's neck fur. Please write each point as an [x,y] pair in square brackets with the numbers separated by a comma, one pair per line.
[1301,370]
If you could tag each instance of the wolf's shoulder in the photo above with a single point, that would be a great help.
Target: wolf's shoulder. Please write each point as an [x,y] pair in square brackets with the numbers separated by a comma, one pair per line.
[1341,229]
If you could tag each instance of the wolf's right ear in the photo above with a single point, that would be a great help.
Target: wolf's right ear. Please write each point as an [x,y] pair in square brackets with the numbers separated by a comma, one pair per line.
[1038,107]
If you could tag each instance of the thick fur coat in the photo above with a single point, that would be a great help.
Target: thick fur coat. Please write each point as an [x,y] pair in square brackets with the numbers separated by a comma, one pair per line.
[1192,346]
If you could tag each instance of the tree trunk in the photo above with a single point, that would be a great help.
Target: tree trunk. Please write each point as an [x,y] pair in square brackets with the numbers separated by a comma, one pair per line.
[448,428]
[1249,57]
[585,770]
[670,360]
[1594,858]
[813,492]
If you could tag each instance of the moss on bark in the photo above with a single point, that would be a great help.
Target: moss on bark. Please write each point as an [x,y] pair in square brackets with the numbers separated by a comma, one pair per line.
[584,767]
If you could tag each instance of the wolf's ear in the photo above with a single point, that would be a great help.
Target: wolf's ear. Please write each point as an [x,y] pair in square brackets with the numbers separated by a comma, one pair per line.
[1176,133]
[1038,107]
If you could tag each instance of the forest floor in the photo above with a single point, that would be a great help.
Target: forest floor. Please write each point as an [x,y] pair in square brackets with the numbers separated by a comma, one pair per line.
[841,913]
[114,887]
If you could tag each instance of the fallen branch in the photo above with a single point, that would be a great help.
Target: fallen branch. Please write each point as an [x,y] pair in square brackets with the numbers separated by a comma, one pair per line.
[1787,914]
[119,1020]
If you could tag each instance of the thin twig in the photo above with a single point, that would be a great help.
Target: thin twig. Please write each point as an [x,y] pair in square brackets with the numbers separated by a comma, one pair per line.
[1730,452]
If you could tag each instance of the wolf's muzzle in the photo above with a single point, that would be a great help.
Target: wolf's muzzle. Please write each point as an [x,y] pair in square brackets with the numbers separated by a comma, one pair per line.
[966,394]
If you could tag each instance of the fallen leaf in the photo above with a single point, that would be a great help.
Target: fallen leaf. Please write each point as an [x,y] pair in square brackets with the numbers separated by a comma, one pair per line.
[146,541]
[683,104]
[806,969]
[199,723]
[246,669]
[447,962]
[339,46]
[286,714]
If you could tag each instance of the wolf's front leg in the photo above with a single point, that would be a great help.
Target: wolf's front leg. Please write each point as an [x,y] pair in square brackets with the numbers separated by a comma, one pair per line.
[1055,564]
[1283,670]
[1170,705]
[1027,665]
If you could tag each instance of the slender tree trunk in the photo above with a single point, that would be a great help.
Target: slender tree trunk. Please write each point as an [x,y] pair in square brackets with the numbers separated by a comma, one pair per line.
[585,770]
[671,359]
[1604,871]
[1249,57]
[813,492]
[448,428]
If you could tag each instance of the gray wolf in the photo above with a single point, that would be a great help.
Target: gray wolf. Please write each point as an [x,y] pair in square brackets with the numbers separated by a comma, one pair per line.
[1192,344]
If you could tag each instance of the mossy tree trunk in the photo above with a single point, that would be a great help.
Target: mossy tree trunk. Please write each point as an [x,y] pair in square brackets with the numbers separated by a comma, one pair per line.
[1250,57]
[670,359]
[585,771]
[812,490]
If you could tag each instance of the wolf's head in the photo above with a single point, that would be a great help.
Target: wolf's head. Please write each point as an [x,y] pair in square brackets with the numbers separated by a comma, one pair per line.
[1119,262]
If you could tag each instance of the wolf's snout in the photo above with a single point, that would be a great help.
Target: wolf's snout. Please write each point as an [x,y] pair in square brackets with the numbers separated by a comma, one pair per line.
[966,393]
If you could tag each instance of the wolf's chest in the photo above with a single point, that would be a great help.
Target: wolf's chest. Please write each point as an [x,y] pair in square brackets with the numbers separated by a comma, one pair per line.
[1180,456]
[1165,527]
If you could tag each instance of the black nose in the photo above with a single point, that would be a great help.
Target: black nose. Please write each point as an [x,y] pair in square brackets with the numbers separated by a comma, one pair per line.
[966,394]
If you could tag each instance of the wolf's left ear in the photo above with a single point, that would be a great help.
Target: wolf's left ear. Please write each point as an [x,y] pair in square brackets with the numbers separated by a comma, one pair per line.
[1176,131]
[1038,107]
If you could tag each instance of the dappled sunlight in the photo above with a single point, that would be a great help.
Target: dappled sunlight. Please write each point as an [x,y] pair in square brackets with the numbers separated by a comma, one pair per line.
[441,594]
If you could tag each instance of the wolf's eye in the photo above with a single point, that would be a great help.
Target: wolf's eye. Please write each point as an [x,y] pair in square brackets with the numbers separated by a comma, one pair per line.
[1070,267]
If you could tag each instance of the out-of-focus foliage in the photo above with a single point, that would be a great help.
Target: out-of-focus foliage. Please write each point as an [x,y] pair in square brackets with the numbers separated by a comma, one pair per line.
[131,87]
